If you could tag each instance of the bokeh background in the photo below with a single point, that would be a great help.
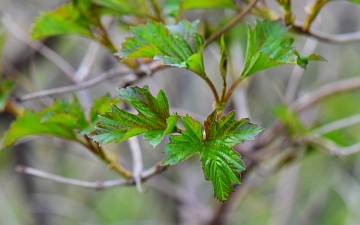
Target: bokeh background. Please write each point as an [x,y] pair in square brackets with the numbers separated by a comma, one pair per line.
[318,188]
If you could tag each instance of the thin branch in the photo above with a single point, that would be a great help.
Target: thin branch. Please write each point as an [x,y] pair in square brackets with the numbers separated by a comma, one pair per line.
[335,149]
[102,77]
[143,69]
[137,161]
[339,124]
[232,23]
[322,36]
[38,46]
[298,72]
[84,68]
[325,91]
[98,185]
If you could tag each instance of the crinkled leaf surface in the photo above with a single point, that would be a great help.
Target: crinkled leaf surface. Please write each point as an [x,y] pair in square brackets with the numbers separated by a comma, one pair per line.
[62,119]
[267,47]
[100,106]
[153,118]
[177,45]
[206,4]
[221,164]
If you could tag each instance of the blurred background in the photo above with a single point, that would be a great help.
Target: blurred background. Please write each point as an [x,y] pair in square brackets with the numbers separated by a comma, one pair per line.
[317,188]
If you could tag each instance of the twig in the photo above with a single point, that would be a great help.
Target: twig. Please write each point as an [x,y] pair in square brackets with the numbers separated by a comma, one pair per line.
[144,69]
[137,161]
[38,46]
[85,65]
[335,149]
[232,23]
[298,72]
[322,36]
[98,185]
[339,124]
[326,91]
[45,93]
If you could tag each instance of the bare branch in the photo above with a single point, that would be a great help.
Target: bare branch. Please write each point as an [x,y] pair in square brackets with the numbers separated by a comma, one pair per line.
[335,149]
[98,185]
[38,46]
[104,76]
[144,69]
[137,161]
[298,72]
[339,124]
[86,63]
[322,36]
[232,23]
[326,91]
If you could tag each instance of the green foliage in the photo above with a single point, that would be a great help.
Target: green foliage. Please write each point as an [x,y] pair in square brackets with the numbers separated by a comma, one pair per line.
[290,120]
[177,45]
[355,1]
[65,20]
[6,86]
[221,164]
[205,4]
[123,7]
[62,119]
[153,119]
[224,59]
[267,47]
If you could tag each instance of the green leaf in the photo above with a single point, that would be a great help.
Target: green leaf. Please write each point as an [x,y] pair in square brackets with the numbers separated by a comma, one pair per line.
[63,119]
[153,119]
[355,1]
[267,47]
[206,4]
[224,58]
[172,8]
[221,164]
[290,120]
[60,120]
[6,86]
[100,106]
[65,20]
[123,7]
[177,45]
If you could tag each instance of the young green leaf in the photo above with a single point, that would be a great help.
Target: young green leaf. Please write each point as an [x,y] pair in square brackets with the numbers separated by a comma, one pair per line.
[221,164]
[177,45]
[206,4]
[290,120]
[172,8]
[153,119]
[62,119]
[123,7]
[65,20]
[100,106]
[267,47]
[6,87]
[59,120]
[224,59]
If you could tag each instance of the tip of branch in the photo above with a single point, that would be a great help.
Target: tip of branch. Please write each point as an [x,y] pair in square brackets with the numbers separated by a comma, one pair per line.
[20,168]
